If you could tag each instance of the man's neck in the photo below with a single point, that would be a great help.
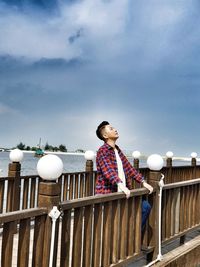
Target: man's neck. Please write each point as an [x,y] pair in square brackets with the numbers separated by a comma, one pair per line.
[111,143]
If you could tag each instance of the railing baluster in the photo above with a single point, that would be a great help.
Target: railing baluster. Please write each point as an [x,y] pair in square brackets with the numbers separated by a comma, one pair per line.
[66,239]
[97,235]
[106,234]
[115,235]
[88,216]
[23,245]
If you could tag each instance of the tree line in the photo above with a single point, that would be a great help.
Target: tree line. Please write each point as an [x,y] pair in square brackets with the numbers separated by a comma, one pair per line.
[47,147]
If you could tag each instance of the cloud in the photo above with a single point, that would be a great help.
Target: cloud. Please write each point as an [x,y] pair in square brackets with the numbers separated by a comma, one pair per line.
[134,63]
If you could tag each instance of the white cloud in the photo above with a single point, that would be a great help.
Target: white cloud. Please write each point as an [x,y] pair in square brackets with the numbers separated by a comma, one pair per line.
[5,109]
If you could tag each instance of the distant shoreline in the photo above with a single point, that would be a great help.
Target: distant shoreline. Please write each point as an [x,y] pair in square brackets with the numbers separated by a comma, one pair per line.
[82,154]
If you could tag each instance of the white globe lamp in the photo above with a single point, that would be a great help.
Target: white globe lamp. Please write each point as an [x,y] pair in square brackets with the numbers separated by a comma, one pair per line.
[16,155]
[50,167]
[136,154]
[89,155]
[169,154]
[194,155]
[155,162]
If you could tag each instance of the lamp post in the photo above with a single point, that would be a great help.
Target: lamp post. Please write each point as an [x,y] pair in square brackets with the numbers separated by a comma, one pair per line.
[194,163]
[155,164]
[89,183]
[49,168]
[14,169]
[168,175]
[136,156]
[169,156]
[193,159]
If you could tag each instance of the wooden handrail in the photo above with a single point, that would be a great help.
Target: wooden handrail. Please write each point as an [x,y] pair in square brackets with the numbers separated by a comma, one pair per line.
[98,199]
[181,184]
[23,214]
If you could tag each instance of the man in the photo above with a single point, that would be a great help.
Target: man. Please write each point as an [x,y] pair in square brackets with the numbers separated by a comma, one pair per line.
[114,171]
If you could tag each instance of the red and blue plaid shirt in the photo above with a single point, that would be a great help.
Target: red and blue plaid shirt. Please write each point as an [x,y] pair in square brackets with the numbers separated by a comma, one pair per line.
[107,171]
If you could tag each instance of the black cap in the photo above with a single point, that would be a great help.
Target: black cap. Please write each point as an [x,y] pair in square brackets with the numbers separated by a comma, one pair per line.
[98,131]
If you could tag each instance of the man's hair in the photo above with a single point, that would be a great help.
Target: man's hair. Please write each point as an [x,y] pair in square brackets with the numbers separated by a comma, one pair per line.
[100,128]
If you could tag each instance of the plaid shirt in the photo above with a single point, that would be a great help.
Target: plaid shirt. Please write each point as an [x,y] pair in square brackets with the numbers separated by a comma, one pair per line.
[107,172]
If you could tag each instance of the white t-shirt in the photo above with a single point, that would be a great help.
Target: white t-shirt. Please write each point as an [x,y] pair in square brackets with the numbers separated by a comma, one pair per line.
[121,173]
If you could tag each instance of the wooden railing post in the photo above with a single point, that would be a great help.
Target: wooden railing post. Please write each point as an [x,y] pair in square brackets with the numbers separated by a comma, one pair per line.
[193,164]
[13,199]
[154,177]
[169,178]
[169,162]
[89,178]
[49,196]
[89,183]
[155,164]
[136,162]
[136,156]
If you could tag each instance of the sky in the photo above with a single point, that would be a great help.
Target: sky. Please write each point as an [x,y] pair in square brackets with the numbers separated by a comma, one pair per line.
[67,65]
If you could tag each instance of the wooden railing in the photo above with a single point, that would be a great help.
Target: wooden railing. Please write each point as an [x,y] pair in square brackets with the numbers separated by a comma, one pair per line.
[97,230]
[111,227]
[23,247]
[20,192]
[180,209]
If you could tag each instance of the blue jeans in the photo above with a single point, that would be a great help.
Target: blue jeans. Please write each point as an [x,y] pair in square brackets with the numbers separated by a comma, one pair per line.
[146,208]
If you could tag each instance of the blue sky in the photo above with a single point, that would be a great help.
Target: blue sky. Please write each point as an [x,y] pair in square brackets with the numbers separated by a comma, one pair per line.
[67,65]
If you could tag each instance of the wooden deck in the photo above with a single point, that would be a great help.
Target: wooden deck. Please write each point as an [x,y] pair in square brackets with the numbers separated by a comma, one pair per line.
[173,250]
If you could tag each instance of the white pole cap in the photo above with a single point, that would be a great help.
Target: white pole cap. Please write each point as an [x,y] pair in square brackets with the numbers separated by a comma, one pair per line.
[169,154]
[16,155]
[136,154]
[89,155]
[155,162]
[50,167]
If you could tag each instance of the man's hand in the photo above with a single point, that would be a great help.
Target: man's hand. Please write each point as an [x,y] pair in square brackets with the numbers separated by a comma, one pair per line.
[148,186]
[125,190]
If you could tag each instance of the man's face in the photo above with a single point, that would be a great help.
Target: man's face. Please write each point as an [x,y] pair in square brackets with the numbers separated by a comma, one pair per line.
[109,132]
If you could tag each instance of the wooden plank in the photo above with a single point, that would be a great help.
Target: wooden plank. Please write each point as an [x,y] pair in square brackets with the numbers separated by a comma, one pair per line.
[32,199]
[65,187]
[25,194]
[115,231]
[123,229]
[106,234]
[9,195]
[97,235]
[38,241]
[77,237]
[81,191]
[182,208]
[19,215]
[65,239]
[23,244]
[131,227]
[177,211]
[168,214]
[138,223]
[88,215]
[2,186]
[100,199]
[163,217]
[71,187]
[76,177]
[7,244]
[173,210]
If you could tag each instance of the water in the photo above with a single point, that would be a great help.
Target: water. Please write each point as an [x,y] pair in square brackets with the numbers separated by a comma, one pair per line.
[72,163]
